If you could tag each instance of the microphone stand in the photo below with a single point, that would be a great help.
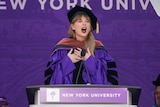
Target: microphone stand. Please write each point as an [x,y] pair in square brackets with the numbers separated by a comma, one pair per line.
[83,53]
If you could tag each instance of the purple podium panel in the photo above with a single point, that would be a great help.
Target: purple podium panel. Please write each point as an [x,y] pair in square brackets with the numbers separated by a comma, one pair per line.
[84,95]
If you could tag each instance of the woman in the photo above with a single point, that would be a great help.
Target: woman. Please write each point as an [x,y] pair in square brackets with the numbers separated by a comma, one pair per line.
[157,91]
[80,59]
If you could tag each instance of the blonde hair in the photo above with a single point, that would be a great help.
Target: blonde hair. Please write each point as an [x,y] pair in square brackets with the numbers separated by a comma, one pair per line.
[90,40]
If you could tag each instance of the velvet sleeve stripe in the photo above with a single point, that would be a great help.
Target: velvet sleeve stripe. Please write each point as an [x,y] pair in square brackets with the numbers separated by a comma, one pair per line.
[48,74]
[112,75]
[112,80]
[47,80]
[111,65]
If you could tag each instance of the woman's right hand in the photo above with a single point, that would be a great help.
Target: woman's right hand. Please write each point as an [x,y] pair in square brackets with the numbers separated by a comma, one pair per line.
[74,56]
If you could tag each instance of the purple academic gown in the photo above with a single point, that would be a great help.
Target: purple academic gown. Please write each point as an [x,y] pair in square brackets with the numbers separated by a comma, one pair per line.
[100,69]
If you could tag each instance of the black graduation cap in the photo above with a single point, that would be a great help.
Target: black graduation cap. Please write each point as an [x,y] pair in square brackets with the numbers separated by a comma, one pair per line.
[157,81]
[77,9]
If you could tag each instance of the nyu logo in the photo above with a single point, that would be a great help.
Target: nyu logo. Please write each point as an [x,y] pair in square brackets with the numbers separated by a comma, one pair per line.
[52,95]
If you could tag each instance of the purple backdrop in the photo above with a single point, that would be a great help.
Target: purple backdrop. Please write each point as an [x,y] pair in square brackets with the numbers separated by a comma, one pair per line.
[29,31]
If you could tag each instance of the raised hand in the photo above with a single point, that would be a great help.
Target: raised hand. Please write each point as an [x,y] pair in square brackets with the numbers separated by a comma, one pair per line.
[75,55]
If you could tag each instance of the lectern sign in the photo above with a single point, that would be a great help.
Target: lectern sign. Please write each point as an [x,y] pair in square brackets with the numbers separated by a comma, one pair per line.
[83,95]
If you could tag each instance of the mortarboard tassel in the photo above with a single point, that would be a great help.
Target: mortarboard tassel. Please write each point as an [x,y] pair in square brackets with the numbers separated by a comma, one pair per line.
[97,27]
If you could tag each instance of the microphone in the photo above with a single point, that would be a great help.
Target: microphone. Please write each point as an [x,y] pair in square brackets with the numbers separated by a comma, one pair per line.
[83,52]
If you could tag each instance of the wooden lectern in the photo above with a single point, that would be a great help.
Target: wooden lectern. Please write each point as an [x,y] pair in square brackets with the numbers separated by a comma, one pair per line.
[83,96]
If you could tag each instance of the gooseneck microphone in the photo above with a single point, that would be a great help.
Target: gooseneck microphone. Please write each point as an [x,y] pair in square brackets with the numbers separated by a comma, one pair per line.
[83,53]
